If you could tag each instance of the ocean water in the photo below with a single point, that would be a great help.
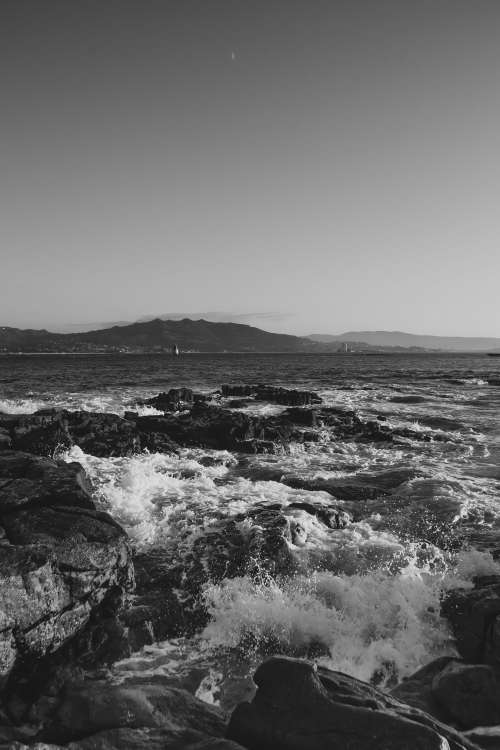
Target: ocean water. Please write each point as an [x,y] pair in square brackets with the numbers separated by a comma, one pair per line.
[364,599]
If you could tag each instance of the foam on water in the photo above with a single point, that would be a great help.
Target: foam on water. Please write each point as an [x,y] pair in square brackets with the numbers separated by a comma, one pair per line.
[21,405]
[375,624]
[365,602]
[365,599]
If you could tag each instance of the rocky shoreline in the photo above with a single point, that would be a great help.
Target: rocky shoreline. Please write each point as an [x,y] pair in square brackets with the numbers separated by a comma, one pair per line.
[74,597]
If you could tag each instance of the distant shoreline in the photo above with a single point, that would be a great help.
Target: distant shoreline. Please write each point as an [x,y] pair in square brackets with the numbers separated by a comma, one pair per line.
[399,352]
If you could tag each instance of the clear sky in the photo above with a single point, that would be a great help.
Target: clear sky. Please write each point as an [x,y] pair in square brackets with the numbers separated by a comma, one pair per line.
[337,163]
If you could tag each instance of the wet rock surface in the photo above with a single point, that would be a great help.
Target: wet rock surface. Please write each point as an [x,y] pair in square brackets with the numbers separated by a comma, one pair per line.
[60,558]
[298,705]
[48,431]
[96,706]
[455,692]
[474,615]
[192,419]
[273,394]
[270,540]
[65,568]
[175,399]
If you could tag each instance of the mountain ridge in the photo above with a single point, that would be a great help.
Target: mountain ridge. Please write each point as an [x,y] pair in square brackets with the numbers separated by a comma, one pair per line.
[411,340]
[156,335]
[160,335]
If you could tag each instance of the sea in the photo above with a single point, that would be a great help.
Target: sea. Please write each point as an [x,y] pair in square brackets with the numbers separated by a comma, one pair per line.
[368,596]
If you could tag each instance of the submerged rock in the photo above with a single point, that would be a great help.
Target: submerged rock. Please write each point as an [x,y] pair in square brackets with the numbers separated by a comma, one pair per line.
[299,705]
[265,540]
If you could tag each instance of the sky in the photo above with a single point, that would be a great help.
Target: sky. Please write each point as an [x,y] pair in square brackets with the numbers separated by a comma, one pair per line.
[332,165]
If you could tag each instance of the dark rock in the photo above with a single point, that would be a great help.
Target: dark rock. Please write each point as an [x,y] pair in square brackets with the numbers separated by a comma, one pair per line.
[298,415]
[27,480]
[460,694]
[176,398]
[298,705]
[206,426]
[5,440]
[286,397]
[408,399]
[169,591]
[273,394]
[484,737]
[469,693]
[95,706]
[417,689]
[353,490]
[437,422]
[334,518]
[59,560]
[48,431]
[474,615]
[155,738]
[239,403]
[258,446]
[238,390]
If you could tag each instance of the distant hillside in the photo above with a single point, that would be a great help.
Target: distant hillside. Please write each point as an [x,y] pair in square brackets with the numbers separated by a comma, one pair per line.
[157,335]
[411,340]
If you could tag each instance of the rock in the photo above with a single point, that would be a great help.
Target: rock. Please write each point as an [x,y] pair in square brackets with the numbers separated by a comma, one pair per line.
[410,398]
[150,739]
[27,480]
[298,415]
[176,398]
[259,446]
[485,737]
[353,490]
[474,615]
[334,518]
[60,558]
[417,689]
[285,396]
[300,706]
[456,693]
[5,440]
[48,431]
[96,706]
[270,539]
[273,394]
[205,425]
[469,693]
[210,426]
[238,390]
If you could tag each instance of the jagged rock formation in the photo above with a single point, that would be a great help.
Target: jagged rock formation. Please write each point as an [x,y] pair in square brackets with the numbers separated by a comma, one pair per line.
[60,558]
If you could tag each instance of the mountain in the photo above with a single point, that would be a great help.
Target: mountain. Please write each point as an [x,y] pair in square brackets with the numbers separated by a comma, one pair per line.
[157,335]
[268,319]
[411,340]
